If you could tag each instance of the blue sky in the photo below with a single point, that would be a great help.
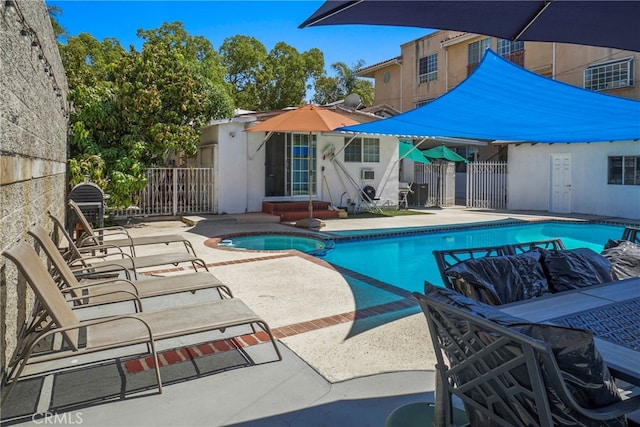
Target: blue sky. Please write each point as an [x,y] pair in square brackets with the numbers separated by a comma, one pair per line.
[268,21]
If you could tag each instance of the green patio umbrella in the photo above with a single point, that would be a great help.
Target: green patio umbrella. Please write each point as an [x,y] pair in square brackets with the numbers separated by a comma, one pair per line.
[441,152]
[414,154]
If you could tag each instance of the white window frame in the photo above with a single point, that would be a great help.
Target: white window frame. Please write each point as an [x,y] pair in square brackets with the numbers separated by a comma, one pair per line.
[507,47]
[369,151]
[428,68]
[475,50]
[613,74]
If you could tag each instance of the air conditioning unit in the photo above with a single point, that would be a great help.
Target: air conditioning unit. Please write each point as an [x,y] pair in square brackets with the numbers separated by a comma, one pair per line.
[367,174]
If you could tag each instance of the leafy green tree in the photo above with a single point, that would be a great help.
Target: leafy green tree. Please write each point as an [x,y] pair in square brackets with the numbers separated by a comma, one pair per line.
[264,81]
[331,89]
[244,58]
[283,82]
[90,63]
[134,108]
[327,90]
[58,30]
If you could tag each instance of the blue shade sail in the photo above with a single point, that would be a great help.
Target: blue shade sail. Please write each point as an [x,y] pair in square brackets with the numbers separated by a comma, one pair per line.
[503,101]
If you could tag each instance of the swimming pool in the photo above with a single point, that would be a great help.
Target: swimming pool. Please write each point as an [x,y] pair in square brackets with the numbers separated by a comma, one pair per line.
[406,261]
[277,242]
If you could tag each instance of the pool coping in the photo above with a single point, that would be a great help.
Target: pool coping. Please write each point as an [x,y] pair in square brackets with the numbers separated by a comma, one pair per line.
[366,234]
[214,242]
[371,234]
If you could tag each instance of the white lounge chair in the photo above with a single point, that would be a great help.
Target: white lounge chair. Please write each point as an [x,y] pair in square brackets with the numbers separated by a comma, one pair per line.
[103,291]
[108,333]
[97,236]
[109,259]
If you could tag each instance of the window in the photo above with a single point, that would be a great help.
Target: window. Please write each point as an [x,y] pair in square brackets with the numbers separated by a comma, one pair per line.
[512,51]
[476,51]
[468,152]
[428,68]
[423,102]
[362,150]
[507,47]
[609,75]
[624,170]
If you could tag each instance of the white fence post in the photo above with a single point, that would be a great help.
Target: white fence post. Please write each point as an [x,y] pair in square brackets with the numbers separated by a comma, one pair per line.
[487,185]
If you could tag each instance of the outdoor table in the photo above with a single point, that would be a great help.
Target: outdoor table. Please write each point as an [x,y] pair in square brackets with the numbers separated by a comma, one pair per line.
[611,311]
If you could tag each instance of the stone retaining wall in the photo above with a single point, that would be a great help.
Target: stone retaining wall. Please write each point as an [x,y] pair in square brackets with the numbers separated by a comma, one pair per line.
[33,145]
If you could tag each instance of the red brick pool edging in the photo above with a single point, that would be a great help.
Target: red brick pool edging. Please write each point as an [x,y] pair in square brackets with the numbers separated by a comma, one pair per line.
[193,352]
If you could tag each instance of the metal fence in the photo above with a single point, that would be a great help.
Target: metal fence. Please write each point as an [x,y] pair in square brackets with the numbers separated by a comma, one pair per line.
[438,181]
[487,185]
[174,191]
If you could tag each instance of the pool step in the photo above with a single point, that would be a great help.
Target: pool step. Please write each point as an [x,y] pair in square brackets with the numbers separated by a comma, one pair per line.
[293,211]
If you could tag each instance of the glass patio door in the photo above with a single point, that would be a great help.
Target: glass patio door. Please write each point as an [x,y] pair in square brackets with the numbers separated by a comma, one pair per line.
[300,157]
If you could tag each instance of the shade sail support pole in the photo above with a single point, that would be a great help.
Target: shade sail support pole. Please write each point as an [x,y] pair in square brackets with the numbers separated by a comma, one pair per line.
[384,183]
[415,147]
[346,145]
[264,140]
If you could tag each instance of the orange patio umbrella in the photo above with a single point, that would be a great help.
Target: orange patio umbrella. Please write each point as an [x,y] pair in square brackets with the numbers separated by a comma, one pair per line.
[311,119]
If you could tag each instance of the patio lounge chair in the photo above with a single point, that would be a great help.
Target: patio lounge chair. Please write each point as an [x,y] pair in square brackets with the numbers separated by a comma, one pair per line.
[107,333]
[104,291]
[98,236]
[507,373]
[101,260]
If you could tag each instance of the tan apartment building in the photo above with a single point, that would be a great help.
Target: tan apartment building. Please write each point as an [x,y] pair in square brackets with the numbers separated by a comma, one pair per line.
[432,65]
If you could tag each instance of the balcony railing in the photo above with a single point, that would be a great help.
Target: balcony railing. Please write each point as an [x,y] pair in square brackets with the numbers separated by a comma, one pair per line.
[515,57]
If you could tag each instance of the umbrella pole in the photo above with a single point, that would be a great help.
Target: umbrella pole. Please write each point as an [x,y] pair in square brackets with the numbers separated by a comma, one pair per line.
[310,222]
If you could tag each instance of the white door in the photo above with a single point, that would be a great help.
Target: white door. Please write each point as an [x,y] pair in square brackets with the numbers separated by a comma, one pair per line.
[560,183]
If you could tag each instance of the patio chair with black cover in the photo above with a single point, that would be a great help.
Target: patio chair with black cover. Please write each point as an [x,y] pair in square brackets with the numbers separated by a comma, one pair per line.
[508,372]
[90,236]
[107,333]
[450,257]
[508,255]
[96,292]
[109,259]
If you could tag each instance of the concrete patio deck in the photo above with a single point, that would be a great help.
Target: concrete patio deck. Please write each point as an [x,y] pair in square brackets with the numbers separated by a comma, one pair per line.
[351,352]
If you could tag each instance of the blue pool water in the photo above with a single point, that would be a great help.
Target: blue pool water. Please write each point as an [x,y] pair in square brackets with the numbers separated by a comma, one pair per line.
[407,261]
[275,242]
